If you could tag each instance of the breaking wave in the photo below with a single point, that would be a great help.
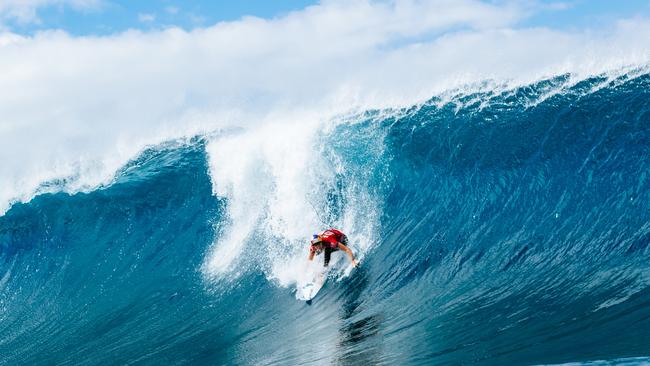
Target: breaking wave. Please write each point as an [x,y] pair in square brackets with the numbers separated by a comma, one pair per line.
[495,226]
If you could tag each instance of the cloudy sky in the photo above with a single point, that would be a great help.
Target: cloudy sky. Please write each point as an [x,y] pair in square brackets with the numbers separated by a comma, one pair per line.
[102,17]
[85,84]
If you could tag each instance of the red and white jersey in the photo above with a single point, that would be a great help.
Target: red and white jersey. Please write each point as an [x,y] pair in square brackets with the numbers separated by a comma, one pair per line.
[332,237]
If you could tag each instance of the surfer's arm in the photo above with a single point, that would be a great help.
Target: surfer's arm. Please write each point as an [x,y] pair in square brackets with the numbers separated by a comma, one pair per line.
[350,254]
[311,255]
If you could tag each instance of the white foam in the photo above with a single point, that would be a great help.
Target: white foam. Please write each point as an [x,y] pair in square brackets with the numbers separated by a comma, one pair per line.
[275,178]
[264,175]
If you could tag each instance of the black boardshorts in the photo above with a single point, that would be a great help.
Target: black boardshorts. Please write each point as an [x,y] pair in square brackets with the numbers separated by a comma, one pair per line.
[329,250]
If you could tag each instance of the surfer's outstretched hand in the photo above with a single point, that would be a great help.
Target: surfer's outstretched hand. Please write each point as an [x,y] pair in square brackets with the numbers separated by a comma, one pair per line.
[355,263]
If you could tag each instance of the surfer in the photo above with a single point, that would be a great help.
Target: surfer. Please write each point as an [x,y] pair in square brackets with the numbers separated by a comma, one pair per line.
[330,241]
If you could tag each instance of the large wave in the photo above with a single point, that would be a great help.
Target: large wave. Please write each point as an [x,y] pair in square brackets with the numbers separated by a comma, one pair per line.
[496,225]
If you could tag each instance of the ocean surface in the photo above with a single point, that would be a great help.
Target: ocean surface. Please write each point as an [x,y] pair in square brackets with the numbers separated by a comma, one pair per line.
[495,225]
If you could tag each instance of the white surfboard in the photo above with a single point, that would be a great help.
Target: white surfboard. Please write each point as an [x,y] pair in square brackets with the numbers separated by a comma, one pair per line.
[308,290]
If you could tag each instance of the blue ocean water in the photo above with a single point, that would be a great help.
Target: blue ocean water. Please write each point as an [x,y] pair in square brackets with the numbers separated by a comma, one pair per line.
[513,229]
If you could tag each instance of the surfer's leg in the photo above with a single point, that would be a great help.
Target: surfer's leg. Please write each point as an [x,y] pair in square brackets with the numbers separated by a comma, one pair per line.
[328,254]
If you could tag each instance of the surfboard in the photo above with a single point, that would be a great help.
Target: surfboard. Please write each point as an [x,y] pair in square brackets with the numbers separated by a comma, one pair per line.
[308,290]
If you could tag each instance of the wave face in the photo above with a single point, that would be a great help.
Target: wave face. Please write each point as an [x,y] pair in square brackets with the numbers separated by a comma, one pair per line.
[499,226]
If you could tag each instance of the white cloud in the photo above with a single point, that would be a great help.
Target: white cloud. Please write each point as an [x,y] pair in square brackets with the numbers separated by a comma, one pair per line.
[557,5]
[146,18]
[26,11]
[82,105]
[171,10]
[196,19]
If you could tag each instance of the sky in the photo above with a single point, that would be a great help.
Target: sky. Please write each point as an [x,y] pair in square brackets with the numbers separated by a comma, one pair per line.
[103,17]
[87,84]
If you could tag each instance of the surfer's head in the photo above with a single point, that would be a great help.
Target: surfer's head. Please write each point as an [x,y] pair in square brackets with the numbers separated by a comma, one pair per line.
[316,239]
[316,244]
